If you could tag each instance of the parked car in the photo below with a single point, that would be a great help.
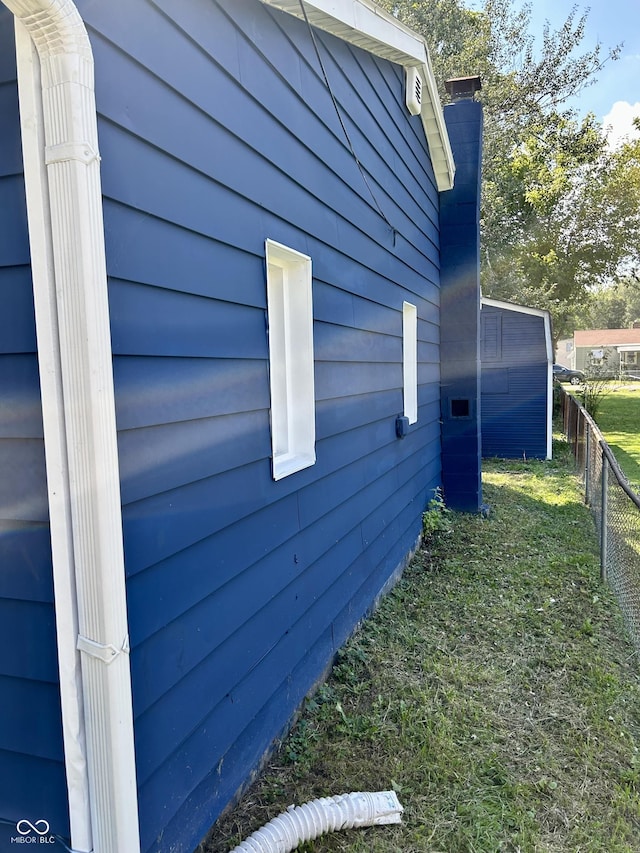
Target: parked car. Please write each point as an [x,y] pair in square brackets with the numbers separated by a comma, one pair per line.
[564,374]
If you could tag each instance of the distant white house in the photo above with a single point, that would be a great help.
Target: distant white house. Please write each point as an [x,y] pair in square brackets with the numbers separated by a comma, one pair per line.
[564,352]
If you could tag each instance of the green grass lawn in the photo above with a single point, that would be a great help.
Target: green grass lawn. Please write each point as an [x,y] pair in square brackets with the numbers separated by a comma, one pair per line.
[619,421]
[494,690]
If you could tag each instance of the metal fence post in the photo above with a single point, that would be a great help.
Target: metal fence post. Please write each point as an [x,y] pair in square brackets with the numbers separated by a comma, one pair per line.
[603,519]
[587,468]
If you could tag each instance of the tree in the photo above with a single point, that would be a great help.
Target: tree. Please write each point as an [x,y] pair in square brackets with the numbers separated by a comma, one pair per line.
[553,194]
[616,306]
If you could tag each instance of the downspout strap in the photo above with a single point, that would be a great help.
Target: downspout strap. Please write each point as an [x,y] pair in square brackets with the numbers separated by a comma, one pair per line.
[82,152]
[107,653]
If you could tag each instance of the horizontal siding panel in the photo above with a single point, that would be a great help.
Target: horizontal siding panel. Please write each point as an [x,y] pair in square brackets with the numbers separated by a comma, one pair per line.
[8,52]
[333,304]
[523,340]
[173,586]
[336,415]
[23,485]
[193,631]
[32,787]
[14,241]
[412,164]
[220,659]
[25,557]
[428,373]
[165,390]
[20,410]
[378,470]
[147,250]
[17,318]
[342,379]
[154,321]
[165,524]
[341,343]
[429,329]
[31,722]
[378,279]
[248,749]
[161,458]
[394,172]
[28,640]
[205,503]
[10,148]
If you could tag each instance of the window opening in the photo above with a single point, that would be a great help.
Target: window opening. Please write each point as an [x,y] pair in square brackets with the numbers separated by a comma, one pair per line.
[410,360]
[291,378]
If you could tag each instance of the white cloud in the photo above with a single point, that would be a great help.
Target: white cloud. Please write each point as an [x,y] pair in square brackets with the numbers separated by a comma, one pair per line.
[618,122]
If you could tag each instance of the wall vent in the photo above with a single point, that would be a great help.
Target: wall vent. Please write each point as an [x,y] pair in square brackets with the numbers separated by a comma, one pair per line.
[414,91]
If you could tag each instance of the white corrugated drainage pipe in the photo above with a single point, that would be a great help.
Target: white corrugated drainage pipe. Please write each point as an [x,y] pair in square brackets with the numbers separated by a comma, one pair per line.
[304,823]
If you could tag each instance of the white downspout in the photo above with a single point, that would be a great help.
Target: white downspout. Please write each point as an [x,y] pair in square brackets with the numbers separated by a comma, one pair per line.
[82,428]
[44,297]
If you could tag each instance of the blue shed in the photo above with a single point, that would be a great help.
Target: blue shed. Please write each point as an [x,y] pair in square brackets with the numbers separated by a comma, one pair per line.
[517,381]
[219,387]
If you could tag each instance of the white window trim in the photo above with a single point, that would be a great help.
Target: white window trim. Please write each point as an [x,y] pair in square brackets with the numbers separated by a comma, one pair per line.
[291,377]
[410,360]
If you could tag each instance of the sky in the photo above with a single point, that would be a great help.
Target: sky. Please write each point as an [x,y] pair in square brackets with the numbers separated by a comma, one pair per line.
[615,97]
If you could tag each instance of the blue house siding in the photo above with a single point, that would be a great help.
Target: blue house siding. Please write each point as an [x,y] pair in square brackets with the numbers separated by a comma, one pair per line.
[460,312]
[515,383]
[240,589]
[32,778]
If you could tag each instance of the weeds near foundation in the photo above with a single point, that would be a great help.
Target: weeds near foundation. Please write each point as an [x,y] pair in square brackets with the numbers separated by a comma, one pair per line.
[494,690]
[437,517]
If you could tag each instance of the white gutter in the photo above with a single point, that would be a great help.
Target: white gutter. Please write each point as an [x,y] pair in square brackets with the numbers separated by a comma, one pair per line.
[72,319]
[364,24]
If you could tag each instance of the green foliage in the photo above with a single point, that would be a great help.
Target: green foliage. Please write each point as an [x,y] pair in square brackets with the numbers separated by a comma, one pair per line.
[560,210]
[436,518]
[594,390]
[614,306]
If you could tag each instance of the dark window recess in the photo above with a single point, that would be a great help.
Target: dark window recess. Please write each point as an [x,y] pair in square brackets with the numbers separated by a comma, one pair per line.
[460,408]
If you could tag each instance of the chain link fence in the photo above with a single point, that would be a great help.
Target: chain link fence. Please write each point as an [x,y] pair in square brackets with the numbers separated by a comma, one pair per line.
[615,508]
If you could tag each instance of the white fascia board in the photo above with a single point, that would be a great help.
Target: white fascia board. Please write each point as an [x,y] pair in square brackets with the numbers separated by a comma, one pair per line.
[364,24]
[75,236]
[511,306]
